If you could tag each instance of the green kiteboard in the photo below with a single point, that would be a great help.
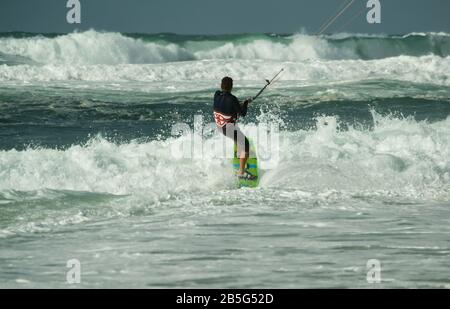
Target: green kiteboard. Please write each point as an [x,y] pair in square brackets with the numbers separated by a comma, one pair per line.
[252,167]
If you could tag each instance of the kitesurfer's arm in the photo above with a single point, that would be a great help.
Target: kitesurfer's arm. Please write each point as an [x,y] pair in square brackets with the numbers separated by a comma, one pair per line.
[241,108]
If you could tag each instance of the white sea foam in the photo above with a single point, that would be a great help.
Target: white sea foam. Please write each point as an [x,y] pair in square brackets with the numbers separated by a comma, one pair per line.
[426,69]
[91,47]
[112,57]
[399,160]
[401,156]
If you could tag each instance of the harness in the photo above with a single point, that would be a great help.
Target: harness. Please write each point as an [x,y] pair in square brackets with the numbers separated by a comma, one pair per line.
[222,120]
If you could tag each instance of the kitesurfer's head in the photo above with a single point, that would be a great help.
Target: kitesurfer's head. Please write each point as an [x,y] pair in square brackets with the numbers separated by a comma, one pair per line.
[227,84]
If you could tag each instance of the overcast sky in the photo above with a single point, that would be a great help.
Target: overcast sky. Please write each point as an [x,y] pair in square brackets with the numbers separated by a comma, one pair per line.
[223,16]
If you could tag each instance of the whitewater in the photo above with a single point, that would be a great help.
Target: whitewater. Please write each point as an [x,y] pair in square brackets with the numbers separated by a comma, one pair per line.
[87,169]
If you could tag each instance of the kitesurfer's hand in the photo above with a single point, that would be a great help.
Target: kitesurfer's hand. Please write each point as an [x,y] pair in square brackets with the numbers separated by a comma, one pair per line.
[249,100]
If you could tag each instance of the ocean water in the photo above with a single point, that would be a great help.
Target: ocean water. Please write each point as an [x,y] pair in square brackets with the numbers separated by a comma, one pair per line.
[87,170]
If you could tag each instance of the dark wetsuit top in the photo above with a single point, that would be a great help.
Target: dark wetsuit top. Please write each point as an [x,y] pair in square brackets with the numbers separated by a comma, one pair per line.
[227,108]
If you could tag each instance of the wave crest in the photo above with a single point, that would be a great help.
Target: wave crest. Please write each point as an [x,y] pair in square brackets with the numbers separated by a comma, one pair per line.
[92,47]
